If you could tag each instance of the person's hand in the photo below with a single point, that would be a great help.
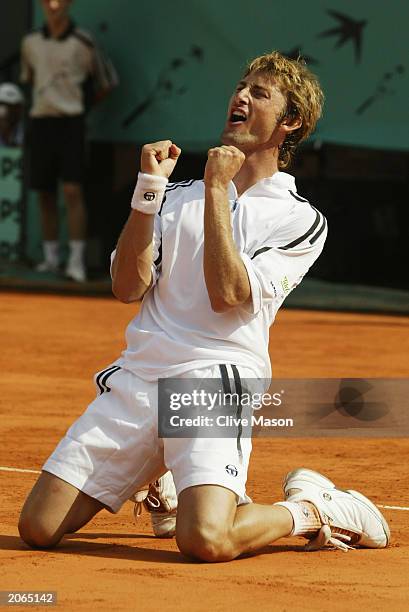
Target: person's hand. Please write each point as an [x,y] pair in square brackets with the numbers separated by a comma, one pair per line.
[159,158]
[223,163]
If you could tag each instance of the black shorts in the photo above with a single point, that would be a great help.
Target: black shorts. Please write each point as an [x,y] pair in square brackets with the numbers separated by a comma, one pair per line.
[56,151]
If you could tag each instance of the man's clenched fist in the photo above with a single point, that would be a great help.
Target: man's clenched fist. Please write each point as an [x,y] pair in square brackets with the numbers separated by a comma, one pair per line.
[223,163]
[159,158]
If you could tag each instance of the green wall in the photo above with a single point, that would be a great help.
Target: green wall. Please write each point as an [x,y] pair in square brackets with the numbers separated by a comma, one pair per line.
[178,63]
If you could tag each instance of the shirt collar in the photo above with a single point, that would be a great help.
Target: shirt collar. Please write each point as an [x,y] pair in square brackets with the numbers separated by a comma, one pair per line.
[69,29]
[279,180]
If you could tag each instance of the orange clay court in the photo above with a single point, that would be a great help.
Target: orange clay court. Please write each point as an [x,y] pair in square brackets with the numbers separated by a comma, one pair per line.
[52,345]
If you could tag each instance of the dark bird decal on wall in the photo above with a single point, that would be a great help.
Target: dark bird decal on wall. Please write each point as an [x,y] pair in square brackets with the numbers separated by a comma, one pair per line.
[383,88]
[348,29]
[166,84]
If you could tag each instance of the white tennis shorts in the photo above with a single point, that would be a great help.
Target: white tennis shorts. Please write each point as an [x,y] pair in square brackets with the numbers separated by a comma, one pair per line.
[113,449]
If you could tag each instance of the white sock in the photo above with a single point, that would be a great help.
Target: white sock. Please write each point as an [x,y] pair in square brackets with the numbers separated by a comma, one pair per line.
[50,248]
[77,249]
[306,517]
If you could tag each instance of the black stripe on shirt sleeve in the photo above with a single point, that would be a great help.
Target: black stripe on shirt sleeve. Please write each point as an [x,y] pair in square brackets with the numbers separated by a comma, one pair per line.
[173,187]
[310,231]
[319,232]
[297,197]
[186,183]
[259,251]
[321,227]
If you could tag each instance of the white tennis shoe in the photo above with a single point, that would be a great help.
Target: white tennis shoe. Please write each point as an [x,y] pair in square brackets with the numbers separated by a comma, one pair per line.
[47,266]
[161,501]
[349,518]
[76,271]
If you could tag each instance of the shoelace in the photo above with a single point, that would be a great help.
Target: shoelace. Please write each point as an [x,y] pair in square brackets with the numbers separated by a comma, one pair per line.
[150,502]
[137,510]
[325,538]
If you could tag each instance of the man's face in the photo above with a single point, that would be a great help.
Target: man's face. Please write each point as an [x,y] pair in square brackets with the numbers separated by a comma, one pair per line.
[253,111]
[55,8]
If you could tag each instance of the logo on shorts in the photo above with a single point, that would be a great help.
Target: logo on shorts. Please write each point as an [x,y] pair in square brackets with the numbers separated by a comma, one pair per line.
[231,470]
[149,195]
[327,496]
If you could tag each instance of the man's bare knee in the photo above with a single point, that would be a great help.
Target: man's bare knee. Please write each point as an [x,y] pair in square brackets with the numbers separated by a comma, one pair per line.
[45,510]
[205,542]
[54,508]
[204,521]
[35,533]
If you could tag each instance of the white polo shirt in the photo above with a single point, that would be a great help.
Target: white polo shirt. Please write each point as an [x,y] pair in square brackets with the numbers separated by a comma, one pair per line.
[278,235]
[60,67]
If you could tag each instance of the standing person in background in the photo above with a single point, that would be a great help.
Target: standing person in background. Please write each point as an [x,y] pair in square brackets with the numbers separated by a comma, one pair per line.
[61,62]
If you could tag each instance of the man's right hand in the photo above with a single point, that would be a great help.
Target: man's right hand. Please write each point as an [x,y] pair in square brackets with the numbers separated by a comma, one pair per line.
[159,158]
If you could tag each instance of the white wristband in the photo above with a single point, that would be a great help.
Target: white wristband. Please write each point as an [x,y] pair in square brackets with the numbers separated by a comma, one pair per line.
[149,192]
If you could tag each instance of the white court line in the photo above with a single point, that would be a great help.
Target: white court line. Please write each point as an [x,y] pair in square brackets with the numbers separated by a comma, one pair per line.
[9,469]
[393,507]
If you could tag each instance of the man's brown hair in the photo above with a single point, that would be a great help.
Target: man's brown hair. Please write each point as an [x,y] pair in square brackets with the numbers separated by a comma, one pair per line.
[302,91]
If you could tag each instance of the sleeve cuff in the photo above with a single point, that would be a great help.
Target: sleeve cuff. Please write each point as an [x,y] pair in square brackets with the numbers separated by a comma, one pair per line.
[112,262]
[253,306]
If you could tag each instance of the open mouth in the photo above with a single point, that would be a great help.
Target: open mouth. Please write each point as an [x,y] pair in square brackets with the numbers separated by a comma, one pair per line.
[237,117]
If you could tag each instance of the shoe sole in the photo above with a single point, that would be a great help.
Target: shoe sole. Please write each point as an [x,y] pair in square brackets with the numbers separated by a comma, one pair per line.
[47,270]
[371,506]
[165,527]
[71,277]
[309,476]
[167,535]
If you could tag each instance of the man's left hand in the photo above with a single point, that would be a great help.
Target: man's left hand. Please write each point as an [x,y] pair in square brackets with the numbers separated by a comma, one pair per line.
[223,163]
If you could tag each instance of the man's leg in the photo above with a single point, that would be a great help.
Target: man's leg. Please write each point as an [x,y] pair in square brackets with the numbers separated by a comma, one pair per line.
[52,509]
[43,177]
[49,215]
[47,201]
[210,476]
[76,215]
[211,527]
[72,160]
[108,453]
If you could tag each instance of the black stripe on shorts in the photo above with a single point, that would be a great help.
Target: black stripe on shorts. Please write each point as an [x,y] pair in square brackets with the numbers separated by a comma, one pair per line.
[239,391]
[225,378]
[103,376]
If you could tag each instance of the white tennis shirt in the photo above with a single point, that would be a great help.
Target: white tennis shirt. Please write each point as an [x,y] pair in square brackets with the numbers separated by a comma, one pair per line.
[278,235]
